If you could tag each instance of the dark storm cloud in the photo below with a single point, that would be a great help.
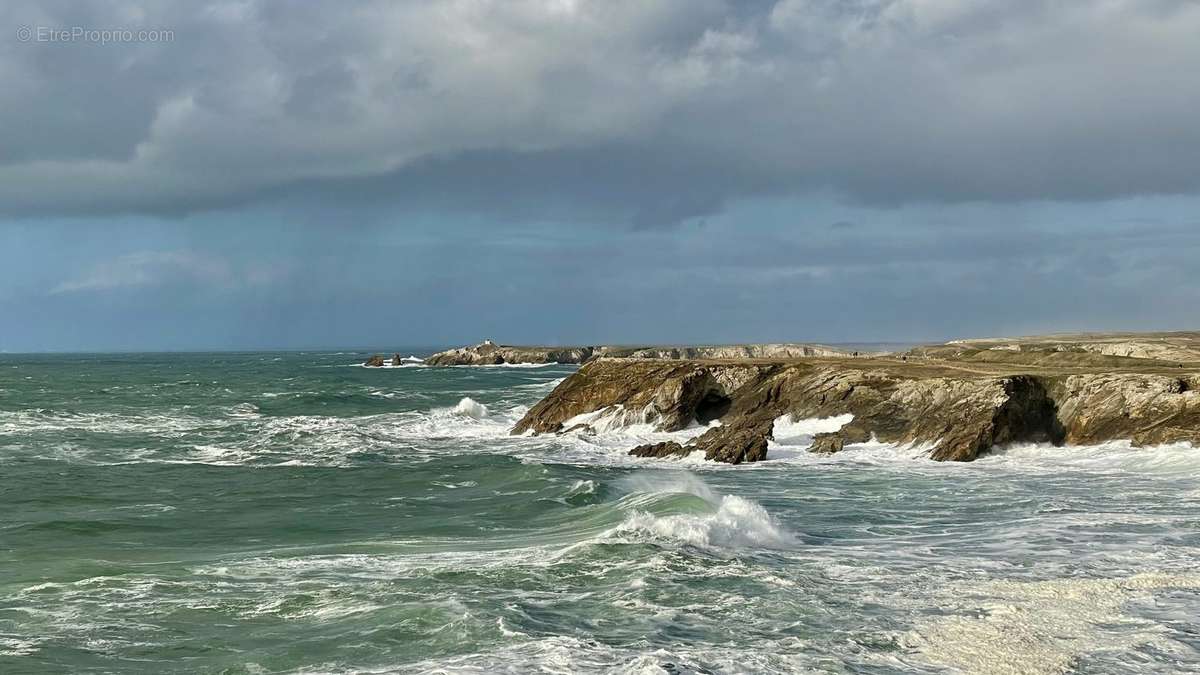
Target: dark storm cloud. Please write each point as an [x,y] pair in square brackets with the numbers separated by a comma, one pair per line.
[640,113]
[643,186]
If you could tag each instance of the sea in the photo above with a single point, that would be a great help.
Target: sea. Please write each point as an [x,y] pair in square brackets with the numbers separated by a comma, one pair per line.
[299,513]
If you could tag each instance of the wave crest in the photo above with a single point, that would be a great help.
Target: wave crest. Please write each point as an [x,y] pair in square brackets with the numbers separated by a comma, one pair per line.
[469,407]
[737,523]
[732,522]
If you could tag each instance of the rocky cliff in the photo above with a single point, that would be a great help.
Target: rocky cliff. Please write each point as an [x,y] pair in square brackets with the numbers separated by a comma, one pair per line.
[489,353]
[1130,349]
[956,411]
[754,351]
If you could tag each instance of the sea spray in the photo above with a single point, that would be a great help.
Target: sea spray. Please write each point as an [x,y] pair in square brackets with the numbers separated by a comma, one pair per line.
[730,521]
[738,523]
[469,407]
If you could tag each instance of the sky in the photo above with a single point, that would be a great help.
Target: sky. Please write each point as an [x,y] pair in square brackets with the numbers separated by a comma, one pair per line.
[300,175]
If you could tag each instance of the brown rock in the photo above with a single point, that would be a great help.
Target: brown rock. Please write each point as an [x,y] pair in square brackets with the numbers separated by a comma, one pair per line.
[959,400]
[670,394]
[827,443]
[1146,409]
[734,445]
[664,449]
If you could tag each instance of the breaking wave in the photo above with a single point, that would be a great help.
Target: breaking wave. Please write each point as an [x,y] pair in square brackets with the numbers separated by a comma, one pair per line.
[736,523]
[717,521]
[469,407]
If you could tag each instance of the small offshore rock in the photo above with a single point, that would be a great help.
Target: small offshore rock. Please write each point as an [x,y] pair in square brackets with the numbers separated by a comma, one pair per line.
[663,449]
[734,447]
[827,443]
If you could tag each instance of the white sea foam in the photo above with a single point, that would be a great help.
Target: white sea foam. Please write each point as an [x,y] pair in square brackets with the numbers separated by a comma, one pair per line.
[610,444]
[1110,457]
[245,436]
[217,456]
[1113,457]
[608,419]
[582,487]
[540,387]
[512,365]
[788,430]
[1029,628]
[565,655]
[37,421]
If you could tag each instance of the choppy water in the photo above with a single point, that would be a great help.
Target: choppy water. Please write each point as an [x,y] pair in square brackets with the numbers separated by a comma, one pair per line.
[265,513]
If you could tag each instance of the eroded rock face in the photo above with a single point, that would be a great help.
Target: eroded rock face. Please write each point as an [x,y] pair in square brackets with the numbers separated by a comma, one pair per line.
[965,417]
[670,394]
[1144,408]
[488,353]
[958,413]
[757,351]
[376,361]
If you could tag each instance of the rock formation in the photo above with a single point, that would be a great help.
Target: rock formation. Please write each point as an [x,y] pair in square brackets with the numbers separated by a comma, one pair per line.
[376,361]
[1147,409]
[1122,348]
[488,353]
[956,407]
[763,351]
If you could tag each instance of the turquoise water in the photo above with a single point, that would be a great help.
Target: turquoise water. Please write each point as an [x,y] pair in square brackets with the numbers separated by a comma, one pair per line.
[263,513]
